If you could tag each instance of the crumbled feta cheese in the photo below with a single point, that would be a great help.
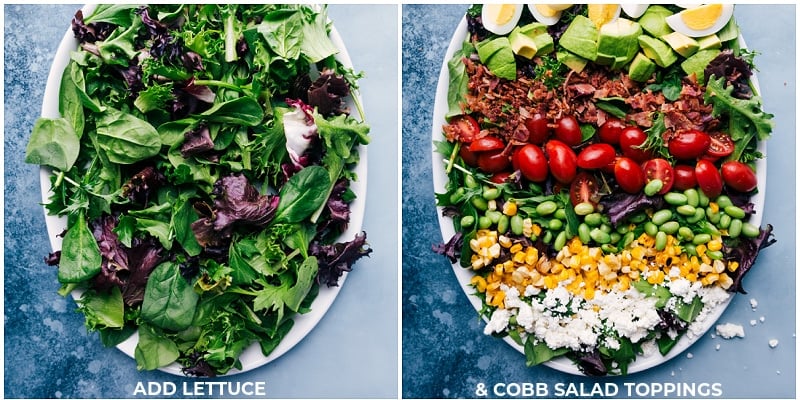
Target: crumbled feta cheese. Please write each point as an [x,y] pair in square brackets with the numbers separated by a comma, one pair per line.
[717,347]
[753,304]
[753,322]
[498,322]
[761,319]
[689,355]
[773,343]
[729,330]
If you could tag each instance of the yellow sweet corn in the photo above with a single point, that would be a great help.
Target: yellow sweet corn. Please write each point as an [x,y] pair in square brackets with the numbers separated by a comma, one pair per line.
[510,208]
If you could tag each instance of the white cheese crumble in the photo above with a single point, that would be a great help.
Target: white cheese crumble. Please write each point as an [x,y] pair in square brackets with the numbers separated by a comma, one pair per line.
[753,322]
[753,304]
[729,330]
[773,343]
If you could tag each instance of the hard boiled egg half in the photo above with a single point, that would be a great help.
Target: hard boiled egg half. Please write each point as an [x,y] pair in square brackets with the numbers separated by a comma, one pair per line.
[701,20]
[547,14]
[500,19]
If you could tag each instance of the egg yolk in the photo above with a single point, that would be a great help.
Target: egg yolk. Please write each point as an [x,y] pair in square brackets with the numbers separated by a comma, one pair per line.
[501,13]
[601,14]
[702,17]
[546,10]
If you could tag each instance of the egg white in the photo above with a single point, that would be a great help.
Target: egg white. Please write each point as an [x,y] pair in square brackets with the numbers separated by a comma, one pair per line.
[634,10]
[676,23]
[541,18]
[501,29]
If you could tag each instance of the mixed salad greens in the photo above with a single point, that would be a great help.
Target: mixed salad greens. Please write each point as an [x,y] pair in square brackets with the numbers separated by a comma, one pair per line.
[202,160]
[600,164]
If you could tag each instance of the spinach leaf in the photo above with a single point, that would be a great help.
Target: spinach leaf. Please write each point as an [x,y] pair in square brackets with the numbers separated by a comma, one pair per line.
[154,350]
[53,143]
[169,300]
[70,105]
[102,309]
[537,353]
[181,224]
[688,312]
[458,80]
[119,47]
[117,14]
[241,111]
[269,343]
[283,32]
[302,194]
[80,255]
[125,138]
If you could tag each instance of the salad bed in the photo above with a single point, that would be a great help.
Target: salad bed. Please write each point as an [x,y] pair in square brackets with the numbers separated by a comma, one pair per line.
[201,163]
[601,173]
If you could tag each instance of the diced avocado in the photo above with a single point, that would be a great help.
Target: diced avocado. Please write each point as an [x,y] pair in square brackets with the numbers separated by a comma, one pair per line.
[545,43]
[658,51]
[618,42]
[729,32]
[697,63]
[497,55]
[682,44]
[653,22]
[522,44]
[581,38]
[709,42]
[574,62]
[641,68]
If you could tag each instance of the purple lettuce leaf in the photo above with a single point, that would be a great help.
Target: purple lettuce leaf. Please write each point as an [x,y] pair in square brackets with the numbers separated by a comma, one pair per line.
[336,259]
[745,252]
[196,141]
[451,249]
[326,93]
[621,205]
[143,184]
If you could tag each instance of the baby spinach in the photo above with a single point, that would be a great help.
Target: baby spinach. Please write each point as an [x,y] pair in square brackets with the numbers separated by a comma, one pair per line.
[53,143]
[103,310]
[125,138]
[80,255]
[169,301]
[154,350]
[303,194]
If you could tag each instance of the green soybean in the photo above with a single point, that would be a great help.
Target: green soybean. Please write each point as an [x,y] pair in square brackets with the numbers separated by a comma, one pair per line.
[502,224]
[734,212]
[457,196]
[548,237]
[627,239]
[685,233]
[676,199]
[490,193]
[692,197]
[661,241]
[690,249]
[607,248]
[467,221]
[702,199]
[480,203]
[484,222]
[724,201]
[584,208]
[494,215]
[686,210]
[593,219]
[599,236]
[615,237]
[712,230]
[560,214]
[546,207]
[517,224]
[750,230]
[701,238]
[661,216]
[725,221]
[699,214]
[555,224]
[650,229]
[583,233]
[652,187]
[623,229]
[470,182]
[670,228]
[714,254]
[638,218]
[561,240]
[735,229]
[712,215]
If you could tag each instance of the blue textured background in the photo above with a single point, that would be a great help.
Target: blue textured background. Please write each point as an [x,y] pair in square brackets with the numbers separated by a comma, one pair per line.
[445,353]
[48,354]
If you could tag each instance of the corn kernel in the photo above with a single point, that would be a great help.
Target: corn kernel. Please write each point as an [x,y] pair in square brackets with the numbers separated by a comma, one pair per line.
[518,257]
[714,245]
[713,207]
[536,229]
[492,204]
[479,283]
[516,248]
[725,281]
[733,266]
[510,208]
[504,241]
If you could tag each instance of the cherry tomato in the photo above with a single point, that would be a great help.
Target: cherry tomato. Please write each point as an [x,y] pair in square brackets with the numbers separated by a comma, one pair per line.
[493,161]
[684,177]
[562,161]
[583,189]
[609,168]
[596,156]
[738,176]
[486,143]
[708,178]
[538,131]
[463,128]
[689,145]
[629,140]
[610,131]
[530,161]
[721,145]
[659,168]
[500,177]
[629,175]
[568,131]
[468,156]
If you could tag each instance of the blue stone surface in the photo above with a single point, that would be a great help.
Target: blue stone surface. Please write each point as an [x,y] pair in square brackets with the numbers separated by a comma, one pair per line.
[444,351]
[352,352]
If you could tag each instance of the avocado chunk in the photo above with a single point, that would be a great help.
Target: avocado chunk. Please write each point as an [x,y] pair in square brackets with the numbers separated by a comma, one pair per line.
[709,42]
[496,54]
[682,44]
[729,32]
[530,40]
[641,68]
[522,44]
[657,51]
[574,62]
[697,63]
[618,42]
[652,21]
[581,38]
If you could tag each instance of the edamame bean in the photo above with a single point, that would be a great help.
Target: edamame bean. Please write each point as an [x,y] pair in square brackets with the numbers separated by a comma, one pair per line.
[599,236]
[555,224]
[548,237]
[627,239]
[584,208]
[724,201]
[517,224]
[692,198]
[490,193]
[699,214]
[638,218]
[734,212]
[484,222]
[690,249]
[701,238]
[480,203]
[606,228]
[661,216]
[593,219]
[750,230]
[712,230]
[712,215]
[470,182]
[650,229]
[714,254]
[560,214]
[670,228]
[583,233]
[686,210]
[494,215]
[735,229]
[652,187]
[615,237]
[457,196]
[685,233]
[502,224]
[725,221]
[467,221]
[661,241]
[676,199]
[702,199]
[546,208]
[623,229]
[607,248]
[561,240]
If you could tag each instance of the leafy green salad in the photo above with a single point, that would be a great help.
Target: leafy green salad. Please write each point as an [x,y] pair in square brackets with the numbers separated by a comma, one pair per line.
[202,161]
